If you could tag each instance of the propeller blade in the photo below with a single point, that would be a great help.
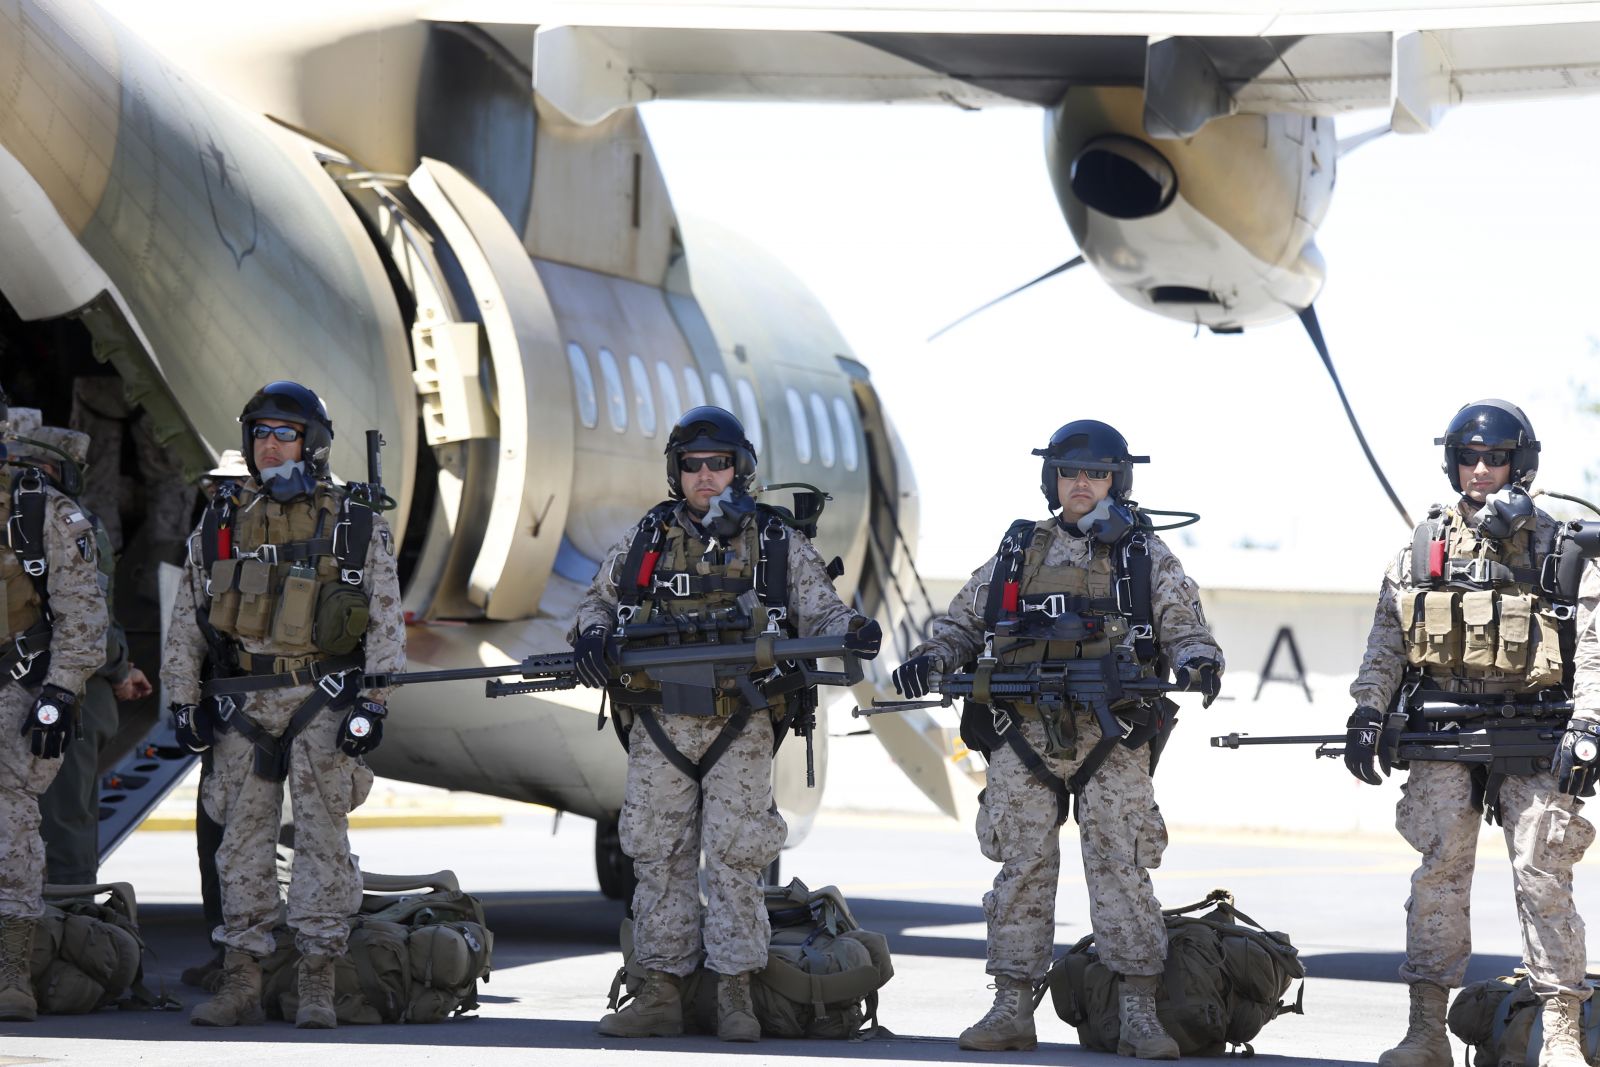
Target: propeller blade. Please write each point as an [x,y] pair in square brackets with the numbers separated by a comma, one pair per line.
[1075,261]
[1308,319]
[1355,141]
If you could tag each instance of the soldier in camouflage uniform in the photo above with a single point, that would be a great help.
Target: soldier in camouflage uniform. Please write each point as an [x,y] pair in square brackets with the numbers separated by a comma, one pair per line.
[1462,611]
[69,810]
[54,618]
[293,599]
[1078,555]
[705,556]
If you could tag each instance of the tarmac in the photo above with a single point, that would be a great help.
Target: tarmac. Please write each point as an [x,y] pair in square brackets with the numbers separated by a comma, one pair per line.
[914,875]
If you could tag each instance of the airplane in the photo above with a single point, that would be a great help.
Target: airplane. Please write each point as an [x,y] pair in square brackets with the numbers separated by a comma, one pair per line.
[506,295]
[449,219]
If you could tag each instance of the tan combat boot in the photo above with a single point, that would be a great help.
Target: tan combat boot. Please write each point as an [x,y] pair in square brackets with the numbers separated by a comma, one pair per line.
[238,1001]
[1563,1038]
[656,1011]
[1142,1034]
[1425,1043]
[736,1015]
[314,987]
[16,985]
[1008,1026]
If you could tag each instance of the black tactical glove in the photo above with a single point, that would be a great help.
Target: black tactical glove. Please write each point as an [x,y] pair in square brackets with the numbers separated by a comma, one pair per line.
[592,656]
[195,725]
[1361,745]
[1576,759]
[866,639]
[362,729]
[911,678]
[1200,676]
[49,726]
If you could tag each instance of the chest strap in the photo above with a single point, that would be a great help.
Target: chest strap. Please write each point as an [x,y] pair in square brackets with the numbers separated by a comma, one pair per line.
[681,585]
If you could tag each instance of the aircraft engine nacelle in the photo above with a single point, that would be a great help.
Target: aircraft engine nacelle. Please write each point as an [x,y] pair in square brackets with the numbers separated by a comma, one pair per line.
[1217,229]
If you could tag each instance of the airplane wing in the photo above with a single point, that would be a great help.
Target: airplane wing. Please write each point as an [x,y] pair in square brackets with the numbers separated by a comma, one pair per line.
[594,56]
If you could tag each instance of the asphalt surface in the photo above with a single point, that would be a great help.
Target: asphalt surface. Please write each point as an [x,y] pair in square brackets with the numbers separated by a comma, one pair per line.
[917,878]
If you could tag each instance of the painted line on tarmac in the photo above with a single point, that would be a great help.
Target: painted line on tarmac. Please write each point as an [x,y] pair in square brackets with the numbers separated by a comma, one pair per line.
[374,821]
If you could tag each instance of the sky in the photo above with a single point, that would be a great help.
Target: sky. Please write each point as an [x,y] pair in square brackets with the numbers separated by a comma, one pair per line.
[1461,264]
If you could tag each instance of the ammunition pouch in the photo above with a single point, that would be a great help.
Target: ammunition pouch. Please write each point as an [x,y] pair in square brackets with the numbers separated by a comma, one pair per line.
[342,617]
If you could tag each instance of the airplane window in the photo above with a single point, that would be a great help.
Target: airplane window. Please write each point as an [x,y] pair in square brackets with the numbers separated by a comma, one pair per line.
[797,419]
[644,401]
[583,385]
[616,401]
[819,412]
[719,390]
[848,449]
[671,406]
[693,388]
[749,412]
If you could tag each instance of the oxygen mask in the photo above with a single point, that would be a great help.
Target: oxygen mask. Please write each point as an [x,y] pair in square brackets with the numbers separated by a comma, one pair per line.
[727,512]
[1505,512]
[1107,522]
[288,481]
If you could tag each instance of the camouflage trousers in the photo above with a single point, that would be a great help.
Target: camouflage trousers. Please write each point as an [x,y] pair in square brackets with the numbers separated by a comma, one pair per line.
[1121,833]
[69,810]
[667,819]
[1545,837]
[324,786]
[22,779]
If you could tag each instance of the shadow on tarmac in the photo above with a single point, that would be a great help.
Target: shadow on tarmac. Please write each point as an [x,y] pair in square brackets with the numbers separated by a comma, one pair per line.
[1385,966]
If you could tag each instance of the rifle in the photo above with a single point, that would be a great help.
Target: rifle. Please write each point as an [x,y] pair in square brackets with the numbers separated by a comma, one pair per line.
[690,676]
[371,493]
[1504,739]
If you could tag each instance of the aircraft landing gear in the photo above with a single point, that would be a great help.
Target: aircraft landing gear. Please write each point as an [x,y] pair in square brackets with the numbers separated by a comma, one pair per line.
[611,865]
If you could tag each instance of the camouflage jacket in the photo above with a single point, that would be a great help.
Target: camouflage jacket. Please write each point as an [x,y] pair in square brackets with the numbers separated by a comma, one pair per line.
[385,641]
[815,609]
[78,634]
[1384,664]
[956,637]
[1586,663]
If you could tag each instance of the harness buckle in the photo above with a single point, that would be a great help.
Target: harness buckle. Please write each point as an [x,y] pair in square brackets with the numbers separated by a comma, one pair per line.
[20,669]
[1054,605]
[227,704]
[1142,631]
[775,616]
[677,585]
[351,575]
[1002,721]
[267,554]
[35,568]
[625,614]
[332,684]
[1563,612]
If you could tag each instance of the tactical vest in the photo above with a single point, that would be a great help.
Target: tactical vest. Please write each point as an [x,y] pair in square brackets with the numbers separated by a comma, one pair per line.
[1475,613]
[22,561]
[287,575]
[667,576]
[1113,590]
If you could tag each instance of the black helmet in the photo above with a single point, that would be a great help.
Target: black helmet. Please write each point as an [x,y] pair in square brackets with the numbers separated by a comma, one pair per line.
[1090,445]
[1492,423]
[710,429]
[291,402]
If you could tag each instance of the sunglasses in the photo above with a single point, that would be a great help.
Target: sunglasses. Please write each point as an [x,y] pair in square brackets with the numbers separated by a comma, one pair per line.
[282,433]
[691,464]
[1470,457]
[1071,474]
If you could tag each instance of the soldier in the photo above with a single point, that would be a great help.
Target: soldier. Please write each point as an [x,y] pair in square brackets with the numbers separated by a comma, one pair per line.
[1461,611]
[1093,558]
[697,553]
[55,629]
[70,809]
[290,590]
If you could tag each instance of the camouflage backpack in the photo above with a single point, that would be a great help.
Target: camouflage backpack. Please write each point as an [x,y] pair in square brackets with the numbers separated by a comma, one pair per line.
[87,955]
[822,975]
[413,957]
[1500,1019]
[1224,978]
